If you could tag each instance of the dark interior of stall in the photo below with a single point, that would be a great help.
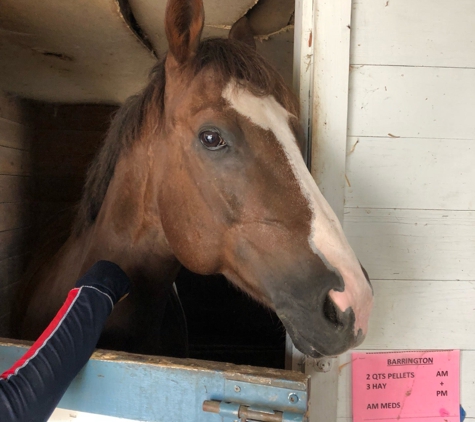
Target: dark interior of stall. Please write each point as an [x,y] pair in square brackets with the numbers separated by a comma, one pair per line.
[227,325]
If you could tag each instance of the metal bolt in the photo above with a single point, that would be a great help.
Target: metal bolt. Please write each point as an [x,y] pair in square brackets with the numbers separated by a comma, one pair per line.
[293,398]
[237,389]
[323,365]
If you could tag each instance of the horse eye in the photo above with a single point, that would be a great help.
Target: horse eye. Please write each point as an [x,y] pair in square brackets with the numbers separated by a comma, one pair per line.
[212,140]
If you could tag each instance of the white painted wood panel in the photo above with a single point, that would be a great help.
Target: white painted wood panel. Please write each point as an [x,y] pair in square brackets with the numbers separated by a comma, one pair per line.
[302,84]
[14,161]
[14,135]
[330,98]
[413,244]
[412,102]
[329,122]
[417,33]
[13,108]
[416,314]
[467,387]
[410,173]
[410,192]
[303,66]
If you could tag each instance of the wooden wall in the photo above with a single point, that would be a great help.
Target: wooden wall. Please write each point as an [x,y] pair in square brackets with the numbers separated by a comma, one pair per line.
[44,153]
[410,193]
[15,176]
[65,141]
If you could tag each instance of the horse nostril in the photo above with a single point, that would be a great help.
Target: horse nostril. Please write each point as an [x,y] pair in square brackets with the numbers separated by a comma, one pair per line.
[367,277]
[331,313]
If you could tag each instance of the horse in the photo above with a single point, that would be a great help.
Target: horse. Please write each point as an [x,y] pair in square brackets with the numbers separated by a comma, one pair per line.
[203,169]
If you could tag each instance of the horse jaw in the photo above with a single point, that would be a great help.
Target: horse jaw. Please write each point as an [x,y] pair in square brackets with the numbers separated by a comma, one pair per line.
[326,238]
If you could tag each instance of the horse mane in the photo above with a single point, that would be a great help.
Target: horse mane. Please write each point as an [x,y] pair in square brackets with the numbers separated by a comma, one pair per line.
[125,129]
[231,59]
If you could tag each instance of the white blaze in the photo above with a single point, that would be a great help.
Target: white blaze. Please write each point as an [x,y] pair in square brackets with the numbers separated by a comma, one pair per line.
[326,237]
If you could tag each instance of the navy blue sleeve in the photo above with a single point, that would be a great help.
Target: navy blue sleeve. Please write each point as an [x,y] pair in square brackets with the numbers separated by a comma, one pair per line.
[31,389]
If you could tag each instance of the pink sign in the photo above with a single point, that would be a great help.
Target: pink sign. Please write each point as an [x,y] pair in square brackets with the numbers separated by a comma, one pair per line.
[406,386]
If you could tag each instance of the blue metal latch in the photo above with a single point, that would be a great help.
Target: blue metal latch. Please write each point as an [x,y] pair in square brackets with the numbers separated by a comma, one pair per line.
[242,413]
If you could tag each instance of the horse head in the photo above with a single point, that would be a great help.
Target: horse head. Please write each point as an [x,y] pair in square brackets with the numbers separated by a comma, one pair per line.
[235,196]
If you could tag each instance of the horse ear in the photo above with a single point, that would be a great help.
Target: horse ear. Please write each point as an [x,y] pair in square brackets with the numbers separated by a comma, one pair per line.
[184,20]
[241,31]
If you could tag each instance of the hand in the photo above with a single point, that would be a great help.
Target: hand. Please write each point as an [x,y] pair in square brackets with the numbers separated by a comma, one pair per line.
[108,278]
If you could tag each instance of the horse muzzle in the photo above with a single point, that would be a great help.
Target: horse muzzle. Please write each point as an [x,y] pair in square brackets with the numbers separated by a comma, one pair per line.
[316,325]
[325,310]
[324,335]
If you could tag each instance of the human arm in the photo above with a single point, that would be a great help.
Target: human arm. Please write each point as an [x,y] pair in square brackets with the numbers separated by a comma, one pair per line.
[33,386]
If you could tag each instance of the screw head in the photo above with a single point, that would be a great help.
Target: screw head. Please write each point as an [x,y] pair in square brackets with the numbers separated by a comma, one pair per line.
[323,364]
[237,389]
[293,398]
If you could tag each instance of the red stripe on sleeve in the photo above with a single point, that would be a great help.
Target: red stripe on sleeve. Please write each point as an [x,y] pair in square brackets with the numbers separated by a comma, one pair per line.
[38,344]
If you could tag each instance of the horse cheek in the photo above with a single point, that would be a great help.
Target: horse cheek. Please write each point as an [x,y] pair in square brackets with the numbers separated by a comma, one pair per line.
[190,230]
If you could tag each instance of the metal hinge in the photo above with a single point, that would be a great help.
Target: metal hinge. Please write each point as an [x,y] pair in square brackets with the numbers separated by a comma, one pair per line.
[236,412]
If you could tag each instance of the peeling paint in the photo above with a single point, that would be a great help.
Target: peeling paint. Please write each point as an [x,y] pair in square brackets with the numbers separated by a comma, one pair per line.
[352,150]
[227,27]
[281,30]
[347,181]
